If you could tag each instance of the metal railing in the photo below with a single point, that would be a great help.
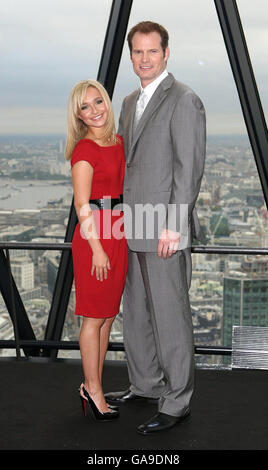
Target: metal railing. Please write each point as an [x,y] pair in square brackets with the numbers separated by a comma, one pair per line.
[19,343]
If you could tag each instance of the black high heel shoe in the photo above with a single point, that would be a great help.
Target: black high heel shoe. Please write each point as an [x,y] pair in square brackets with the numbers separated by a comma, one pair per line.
[112,407]
[98,415]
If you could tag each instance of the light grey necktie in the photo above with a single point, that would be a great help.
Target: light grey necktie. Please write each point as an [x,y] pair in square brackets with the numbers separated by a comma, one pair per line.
[141,103]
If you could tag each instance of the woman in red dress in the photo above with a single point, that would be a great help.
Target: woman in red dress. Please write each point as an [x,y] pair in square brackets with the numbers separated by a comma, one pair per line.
[99,246]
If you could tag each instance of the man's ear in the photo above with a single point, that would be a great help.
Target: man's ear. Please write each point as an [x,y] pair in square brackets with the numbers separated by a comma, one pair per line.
[167,52]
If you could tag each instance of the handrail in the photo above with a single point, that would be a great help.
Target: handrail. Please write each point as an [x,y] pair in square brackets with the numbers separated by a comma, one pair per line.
[232,249]
[113,346]
[35,246]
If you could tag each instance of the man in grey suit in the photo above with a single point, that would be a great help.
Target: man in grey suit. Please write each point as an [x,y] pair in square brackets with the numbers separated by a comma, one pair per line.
[164,131]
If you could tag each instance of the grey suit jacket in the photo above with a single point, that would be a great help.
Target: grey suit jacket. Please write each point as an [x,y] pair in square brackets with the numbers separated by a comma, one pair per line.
[164,164]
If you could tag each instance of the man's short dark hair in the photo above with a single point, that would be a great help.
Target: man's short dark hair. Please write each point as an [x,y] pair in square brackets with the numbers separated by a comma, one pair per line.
[146,27]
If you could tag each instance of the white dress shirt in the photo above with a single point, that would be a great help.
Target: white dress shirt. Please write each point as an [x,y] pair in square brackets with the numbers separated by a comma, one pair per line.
[146,94]
[150,89]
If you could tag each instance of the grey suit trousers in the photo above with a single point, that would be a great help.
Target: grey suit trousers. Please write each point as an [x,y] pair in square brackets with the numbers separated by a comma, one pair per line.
[158,331]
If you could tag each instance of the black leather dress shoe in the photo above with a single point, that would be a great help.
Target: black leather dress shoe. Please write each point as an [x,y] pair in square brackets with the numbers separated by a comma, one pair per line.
[160,422]
[127,396]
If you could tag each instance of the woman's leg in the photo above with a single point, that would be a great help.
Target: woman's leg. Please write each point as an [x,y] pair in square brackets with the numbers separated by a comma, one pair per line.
[104,341]
[89,342]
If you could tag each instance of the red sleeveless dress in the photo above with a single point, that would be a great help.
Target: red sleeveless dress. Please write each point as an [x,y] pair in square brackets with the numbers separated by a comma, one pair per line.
[101,299]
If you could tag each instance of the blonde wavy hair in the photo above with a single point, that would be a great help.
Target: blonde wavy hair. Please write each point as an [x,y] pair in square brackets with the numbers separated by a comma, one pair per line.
[76,129]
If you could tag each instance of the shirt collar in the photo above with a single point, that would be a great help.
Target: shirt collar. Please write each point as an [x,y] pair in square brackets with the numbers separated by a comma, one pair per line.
[150,89]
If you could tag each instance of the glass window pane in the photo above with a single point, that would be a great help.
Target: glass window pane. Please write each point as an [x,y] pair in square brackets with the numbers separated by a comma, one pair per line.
[254,18]
[227,290]
[46,47]
[6,328]
[231,206]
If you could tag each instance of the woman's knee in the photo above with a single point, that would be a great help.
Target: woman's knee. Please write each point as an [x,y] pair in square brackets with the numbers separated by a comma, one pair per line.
[92,323]
[109,321]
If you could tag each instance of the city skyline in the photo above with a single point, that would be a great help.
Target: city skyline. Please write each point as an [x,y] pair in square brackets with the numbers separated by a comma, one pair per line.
[230,207]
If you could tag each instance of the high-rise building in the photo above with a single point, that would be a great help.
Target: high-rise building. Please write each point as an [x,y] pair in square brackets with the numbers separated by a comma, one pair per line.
[23,272]
[245,296]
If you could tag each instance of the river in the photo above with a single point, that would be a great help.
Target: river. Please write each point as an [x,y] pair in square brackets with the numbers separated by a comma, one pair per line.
[31,194]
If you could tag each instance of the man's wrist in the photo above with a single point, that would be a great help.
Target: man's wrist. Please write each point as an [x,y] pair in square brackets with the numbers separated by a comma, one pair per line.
[168,234]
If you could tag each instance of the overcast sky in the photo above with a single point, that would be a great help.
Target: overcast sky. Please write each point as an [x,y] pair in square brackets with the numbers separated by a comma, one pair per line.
[46,46]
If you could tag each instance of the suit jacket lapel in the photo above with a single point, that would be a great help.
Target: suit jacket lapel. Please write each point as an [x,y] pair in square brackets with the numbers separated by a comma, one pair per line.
[154,103]
[129,117]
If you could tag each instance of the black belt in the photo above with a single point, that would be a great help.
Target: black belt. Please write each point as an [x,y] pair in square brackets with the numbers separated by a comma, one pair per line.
[107,203]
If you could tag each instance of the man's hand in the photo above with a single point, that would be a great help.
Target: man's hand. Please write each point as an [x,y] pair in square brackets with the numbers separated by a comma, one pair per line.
[168,243]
